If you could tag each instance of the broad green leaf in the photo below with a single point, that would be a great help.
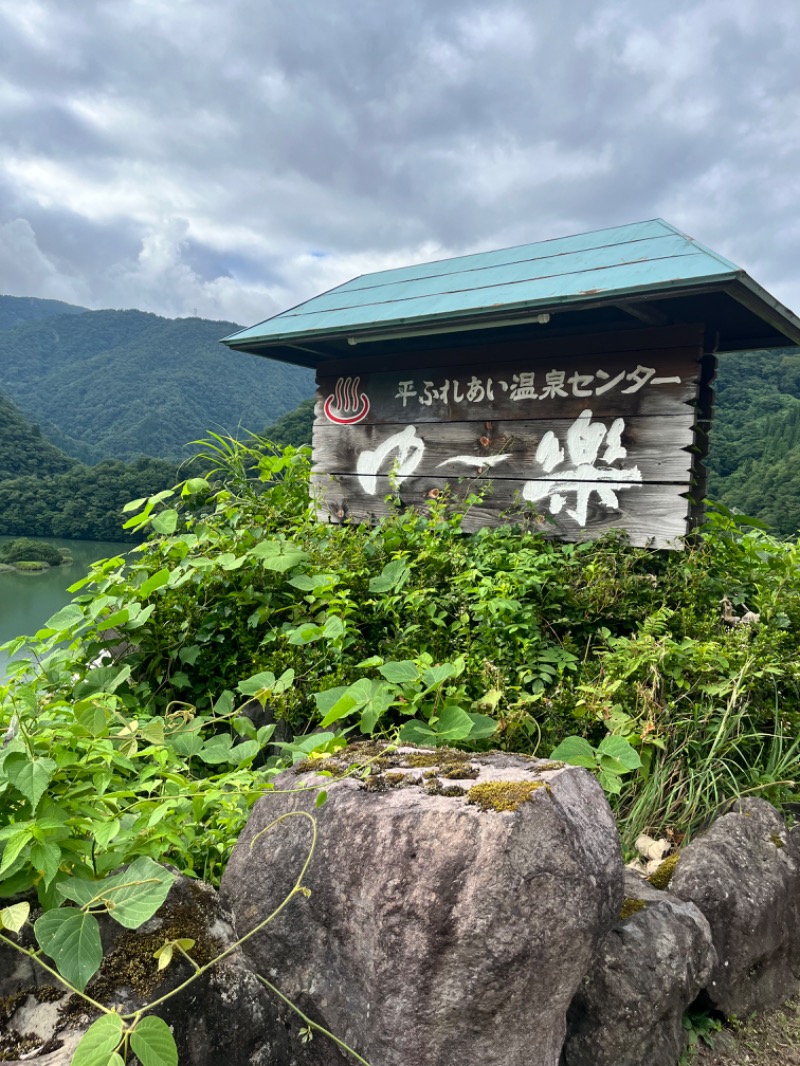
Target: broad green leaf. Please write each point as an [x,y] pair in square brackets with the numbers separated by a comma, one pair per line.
[155,581]
[118,618]
[153,1043]
[224,704]
[285,681]
[263,682]
[166,522]
[193,485]
[134,505]
[138,892]
[453,724]
[278,555]
[333,628]
[139,617]
[312,582]
[399,673]
[392,577]
[186,744]
[619,748]
[327,699]
[240,753]
[30,776]
[610,765]
[67,618]
[80,890]
[92,717]
[217,749]
[306,633]
[381,698]
[576,751]
[190,654]
[104,832]
[153,731]
[14,917]
[482,726]
[416,732]
[611,783]
[436,675]
[351,700]
[45,857]
[98,1045]
[93,683]
[72,939]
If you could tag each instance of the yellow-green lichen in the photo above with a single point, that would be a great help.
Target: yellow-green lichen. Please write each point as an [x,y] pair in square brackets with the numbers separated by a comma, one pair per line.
[502,795]
[630,907]
[777,840]
[661,877]
[544,767]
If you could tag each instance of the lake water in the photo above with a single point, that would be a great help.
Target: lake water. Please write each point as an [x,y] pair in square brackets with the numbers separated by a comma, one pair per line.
[28,600]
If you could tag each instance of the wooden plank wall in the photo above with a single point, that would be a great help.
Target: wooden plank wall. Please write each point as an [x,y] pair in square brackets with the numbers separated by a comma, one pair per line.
[577,436]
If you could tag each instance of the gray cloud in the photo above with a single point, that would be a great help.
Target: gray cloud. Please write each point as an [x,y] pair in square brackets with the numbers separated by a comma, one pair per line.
[180,157]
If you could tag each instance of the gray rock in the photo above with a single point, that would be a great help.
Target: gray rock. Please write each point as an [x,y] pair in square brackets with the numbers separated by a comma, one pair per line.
[437,933]
[744,875]
[648,969]
[45,1018]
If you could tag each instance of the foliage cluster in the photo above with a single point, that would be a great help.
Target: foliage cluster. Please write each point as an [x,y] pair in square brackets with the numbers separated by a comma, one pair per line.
[82,502]
[245,635]
[755,448]
[25,549]
[412,629]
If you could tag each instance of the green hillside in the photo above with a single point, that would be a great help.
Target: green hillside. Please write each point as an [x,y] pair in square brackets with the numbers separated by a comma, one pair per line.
[23,449]
[45,493]
[124,384]
[15,310]
[755,440]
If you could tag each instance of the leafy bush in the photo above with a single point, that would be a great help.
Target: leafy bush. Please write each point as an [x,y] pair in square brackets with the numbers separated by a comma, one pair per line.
[138,735]
[24,549]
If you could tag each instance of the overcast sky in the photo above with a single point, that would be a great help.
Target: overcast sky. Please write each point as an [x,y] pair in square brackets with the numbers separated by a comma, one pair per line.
[232,159]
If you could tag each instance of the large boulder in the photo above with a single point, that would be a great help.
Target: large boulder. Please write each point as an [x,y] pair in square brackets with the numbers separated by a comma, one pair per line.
[648,969]
[744,875]
[455,902]
[43,1019]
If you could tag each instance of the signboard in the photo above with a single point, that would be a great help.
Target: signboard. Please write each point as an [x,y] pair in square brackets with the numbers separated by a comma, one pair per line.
[580,438]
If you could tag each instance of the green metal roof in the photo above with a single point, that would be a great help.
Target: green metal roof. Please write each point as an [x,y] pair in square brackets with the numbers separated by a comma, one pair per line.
[651,260]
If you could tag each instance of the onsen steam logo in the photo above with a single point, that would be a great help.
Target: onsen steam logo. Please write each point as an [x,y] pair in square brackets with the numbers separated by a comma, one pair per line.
[346,406]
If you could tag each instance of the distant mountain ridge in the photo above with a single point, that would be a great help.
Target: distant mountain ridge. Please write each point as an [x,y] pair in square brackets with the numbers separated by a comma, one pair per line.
[124,384]
[14,310]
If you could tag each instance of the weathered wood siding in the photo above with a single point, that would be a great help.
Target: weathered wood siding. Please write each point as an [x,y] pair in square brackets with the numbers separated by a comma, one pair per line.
[582,436]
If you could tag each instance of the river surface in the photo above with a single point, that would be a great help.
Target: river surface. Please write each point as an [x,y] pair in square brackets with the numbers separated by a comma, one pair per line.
[28,600]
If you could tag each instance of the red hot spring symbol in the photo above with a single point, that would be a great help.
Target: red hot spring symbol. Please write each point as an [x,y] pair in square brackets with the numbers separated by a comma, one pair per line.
[346,405]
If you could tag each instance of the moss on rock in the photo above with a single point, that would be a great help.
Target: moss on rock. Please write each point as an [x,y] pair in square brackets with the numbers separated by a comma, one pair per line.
[502,795]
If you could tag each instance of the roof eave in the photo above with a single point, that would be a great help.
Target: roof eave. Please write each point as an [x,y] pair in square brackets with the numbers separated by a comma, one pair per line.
[486,316]
[751,295]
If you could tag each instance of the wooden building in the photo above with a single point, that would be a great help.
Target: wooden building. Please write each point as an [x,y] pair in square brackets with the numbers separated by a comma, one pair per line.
[569,380]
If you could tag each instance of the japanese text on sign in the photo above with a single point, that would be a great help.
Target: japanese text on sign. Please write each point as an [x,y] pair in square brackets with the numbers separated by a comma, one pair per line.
[525,386]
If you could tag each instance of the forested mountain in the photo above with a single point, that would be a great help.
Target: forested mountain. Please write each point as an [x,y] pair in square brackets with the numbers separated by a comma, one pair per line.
[45,493]
[755,440]
[125,384]
[23,449]
[14,310]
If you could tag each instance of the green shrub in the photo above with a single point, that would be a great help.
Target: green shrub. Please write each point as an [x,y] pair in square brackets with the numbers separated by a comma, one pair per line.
[24,550]
[410,629]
